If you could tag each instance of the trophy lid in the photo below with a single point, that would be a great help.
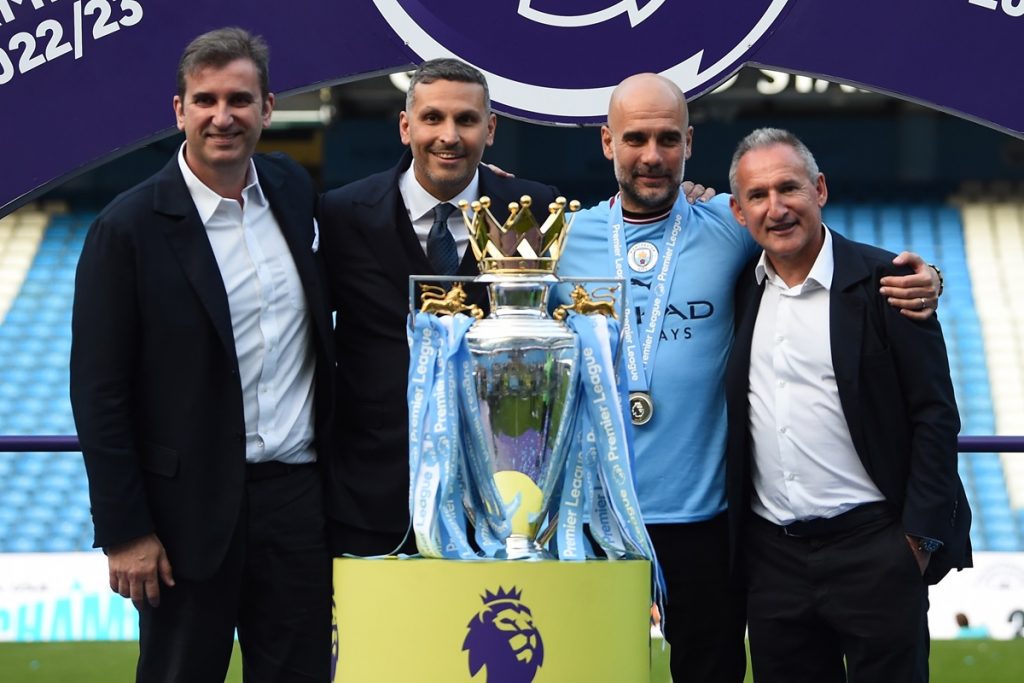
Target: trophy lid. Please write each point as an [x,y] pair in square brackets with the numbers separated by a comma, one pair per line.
[519,245]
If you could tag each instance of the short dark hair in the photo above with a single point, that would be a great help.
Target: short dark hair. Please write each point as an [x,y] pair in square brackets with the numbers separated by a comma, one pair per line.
[446,69]
[766,137]
[220,47]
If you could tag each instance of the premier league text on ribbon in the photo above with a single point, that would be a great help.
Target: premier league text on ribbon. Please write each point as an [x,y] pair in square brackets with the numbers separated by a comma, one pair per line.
[537,424]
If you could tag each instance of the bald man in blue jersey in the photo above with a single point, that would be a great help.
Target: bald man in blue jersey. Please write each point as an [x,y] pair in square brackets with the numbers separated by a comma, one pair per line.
[680,264]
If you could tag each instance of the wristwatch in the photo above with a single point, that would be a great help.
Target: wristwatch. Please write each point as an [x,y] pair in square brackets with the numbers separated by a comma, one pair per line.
[928,545]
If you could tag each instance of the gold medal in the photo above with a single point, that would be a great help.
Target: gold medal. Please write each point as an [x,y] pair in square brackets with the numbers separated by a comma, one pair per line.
[641,408]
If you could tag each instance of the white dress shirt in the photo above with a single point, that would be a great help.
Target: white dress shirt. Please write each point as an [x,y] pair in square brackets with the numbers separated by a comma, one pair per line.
[419,204]
[269,319]
[804,462]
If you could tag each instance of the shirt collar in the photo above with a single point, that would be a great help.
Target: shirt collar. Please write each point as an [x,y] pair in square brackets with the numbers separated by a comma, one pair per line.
[820,273]
[206,200]
[419,202]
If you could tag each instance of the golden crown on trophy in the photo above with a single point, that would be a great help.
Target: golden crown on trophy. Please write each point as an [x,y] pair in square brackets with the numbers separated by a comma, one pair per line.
[520,244]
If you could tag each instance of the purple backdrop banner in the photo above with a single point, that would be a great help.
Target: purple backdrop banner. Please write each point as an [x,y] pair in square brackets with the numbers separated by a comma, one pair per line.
[84,80]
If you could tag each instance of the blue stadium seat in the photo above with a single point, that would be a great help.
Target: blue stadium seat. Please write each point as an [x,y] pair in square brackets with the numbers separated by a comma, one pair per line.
[60,544]
[978,540]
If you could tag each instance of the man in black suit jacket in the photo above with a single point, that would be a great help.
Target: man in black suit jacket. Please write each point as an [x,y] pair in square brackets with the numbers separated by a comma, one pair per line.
[376,233]
[844,497]
[200,382]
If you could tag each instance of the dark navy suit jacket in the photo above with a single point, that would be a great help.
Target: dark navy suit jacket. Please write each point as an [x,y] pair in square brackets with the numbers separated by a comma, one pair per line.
[371,250]
[894,386]
[155,388]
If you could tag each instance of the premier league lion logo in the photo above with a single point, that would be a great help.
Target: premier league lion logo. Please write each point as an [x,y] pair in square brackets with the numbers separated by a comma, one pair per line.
[502,638]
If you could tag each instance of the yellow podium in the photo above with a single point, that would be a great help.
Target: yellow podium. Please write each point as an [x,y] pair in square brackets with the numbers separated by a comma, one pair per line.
[441,621]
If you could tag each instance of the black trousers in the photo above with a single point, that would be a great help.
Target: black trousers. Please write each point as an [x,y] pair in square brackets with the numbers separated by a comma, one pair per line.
[274,587]
[813,601]
[705,607]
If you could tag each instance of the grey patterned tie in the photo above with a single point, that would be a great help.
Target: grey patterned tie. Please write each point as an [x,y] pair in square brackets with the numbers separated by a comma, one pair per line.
[441,250]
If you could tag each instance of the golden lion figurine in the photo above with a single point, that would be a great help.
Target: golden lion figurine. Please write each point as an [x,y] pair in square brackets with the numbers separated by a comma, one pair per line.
[588,302]
[434,299]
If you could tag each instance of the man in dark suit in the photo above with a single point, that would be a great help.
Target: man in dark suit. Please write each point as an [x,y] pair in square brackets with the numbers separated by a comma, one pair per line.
[376,233]
[844,497]
[200,383]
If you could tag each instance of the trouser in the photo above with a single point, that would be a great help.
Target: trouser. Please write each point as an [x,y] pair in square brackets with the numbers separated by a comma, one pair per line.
[814,600]
[274,586]
[704,611]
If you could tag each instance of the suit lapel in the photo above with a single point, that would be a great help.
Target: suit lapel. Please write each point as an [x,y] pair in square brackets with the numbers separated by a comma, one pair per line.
[748,301]
[384,224]
[846,331]
[188,240]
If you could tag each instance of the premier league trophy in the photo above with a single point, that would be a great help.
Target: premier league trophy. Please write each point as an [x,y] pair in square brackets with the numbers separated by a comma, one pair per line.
[524,367]
[499,409]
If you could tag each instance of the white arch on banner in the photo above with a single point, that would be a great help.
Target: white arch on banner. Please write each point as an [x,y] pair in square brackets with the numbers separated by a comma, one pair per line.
[631,8]
[567,102]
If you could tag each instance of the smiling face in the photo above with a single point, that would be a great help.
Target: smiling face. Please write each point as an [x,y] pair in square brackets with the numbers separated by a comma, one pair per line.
[648,138]
[779,202]
[222,114]
[447,127]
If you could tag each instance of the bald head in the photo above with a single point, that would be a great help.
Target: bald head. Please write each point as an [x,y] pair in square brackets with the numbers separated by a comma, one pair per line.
[648,138]
[647,93]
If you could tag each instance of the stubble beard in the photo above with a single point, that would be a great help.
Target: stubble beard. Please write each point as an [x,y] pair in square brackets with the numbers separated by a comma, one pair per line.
[649,202]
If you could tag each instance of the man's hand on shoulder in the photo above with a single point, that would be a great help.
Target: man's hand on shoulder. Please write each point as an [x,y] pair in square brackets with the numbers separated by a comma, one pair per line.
[137,568]
[695,192]
[500,172]
[917,294]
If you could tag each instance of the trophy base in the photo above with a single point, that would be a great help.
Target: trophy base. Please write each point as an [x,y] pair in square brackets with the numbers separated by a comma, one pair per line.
[519,547]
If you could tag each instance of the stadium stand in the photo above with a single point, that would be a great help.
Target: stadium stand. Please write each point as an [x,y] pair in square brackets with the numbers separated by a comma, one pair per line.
[44,497]
[44,502]
[994,239]
[938,234]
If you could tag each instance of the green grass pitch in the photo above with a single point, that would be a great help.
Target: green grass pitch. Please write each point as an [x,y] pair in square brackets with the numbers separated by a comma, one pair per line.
[952,661]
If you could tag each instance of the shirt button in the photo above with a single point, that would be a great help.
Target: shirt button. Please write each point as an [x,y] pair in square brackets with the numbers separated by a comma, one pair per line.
[782,430]
[790,476]
[782,382]
[259,442]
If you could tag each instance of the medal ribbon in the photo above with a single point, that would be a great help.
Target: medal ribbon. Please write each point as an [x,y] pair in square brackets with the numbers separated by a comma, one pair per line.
[640,363]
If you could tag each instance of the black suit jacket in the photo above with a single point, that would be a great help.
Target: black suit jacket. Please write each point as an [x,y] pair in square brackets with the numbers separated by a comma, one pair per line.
[370,250]
[154,375]
[893,380]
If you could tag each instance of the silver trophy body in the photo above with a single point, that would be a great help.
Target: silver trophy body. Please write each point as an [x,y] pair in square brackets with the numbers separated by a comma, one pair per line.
[524,371]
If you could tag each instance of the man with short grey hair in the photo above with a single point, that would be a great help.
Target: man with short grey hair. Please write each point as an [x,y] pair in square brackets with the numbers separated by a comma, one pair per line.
[844,497]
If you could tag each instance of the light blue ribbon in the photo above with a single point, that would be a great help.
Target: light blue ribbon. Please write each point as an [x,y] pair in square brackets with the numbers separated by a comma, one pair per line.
[435,482]
[446,429]
[617,524]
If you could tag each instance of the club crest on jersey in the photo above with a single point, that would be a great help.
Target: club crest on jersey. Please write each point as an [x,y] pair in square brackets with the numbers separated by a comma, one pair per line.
[642,256]
[578,51]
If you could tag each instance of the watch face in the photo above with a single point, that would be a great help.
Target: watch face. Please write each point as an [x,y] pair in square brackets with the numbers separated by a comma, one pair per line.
[928,545]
